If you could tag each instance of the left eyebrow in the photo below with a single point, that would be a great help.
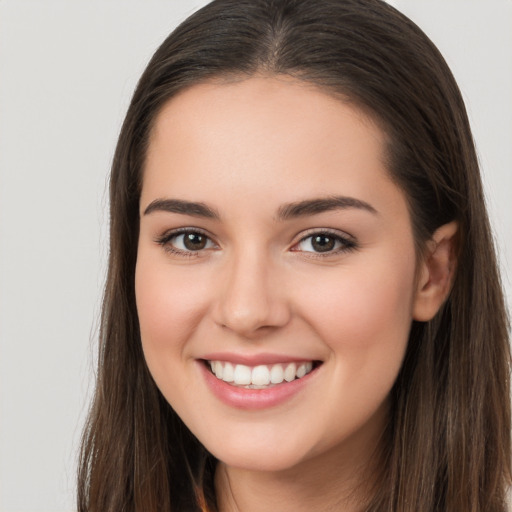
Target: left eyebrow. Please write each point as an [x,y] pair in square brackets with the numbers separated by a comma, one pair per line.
[321,205]
[183,207]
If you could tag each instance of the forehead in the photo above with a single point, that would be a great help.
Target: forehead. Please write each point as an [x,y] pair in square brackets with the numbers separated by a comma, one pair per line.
[274,136]
[261,103]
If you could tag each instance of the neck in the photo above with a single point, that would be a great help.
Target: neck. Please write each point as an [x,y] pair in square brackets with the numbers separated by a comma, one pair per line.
[340,479]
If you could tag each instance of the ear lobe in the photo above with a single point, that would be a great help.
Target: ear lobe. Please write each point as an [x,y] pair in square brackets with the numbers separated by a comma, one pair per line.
[436,272]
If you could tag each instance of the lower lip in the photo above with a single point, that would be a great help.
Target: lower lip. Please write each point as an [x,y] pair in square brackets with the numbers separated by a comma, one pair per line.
[253,399]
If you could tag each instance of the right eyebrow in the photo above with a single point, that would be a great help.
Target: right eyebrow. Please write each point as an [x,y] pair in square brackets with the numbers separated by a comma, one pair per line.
[180,206]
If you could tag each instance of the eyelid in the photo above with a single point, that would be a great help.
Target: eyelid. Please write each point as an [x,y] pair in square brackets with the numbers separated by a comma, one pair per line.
[326,231]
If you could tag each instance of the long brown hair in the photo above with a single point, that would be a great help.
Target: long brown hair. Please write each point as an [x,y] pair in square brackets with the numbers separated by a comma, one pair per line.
[448,439]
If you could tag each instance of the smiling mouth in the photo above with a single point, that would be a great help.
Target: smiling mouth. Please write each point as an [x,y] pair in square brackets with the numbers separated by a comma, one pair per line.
[260,376]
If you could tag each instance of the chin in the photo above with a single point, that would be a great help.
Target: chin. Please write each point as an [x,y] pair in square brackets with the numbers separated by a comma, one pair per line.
[252,460]
[259,455]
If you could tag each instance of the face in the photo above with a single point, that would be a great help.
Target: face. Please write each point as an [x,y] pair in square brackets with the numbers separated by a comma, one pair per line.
[275,252]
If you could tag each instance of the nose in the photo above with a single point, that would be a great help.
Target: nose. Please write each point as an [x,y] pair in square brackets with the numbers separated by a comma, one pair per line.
[252,299]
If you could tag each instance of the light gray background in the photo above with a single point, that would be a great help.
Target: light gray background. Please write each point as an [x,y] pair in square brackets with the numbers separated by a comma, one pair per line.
[67,70]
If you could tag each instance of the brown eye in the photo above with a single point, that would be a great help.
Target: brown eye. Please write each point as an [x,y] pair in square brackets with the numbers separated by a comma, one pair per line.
[323,243]
[186,242]
[194,241]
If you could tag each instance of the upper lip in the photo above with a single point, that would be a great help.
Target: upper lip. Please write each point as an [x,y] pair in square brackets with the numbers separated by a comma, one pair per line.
[254,359]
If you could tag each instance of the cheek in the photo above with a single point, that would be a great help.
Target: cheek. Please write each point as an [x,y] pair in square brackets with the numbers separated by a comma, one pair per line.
[364,318]
[372,311]
[376,294]
[169,304]
[364,311]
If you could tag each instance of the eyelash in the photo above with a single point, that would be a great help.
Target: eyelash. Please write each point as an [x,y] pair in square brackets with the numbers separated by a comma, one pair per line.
[346,244]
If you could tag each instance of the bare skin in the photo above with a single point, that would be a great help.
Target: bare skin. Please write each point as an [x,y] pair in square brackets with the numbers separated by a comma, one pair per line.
[270,229]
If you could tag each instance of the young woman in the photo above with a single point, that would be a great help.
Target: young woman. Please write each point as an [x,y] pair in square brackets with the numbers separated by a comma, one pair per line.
[303,310]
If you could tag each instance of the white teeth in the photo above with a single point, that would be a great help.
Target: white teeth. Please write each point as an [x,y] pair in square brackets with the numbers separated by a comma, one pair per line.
[259,376]
[242,375]
[301,371]
[276,374]
[229,372]
[289,372]
[218,369]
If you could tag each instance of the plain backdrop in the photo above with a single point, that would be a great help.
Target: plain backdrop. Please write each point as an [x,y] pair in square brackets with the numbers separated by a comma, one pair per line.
[67,70]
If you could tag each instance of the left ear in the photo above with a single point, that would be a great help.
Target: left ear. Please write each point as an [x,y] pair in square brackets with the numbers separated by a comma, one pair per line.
[436,272]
